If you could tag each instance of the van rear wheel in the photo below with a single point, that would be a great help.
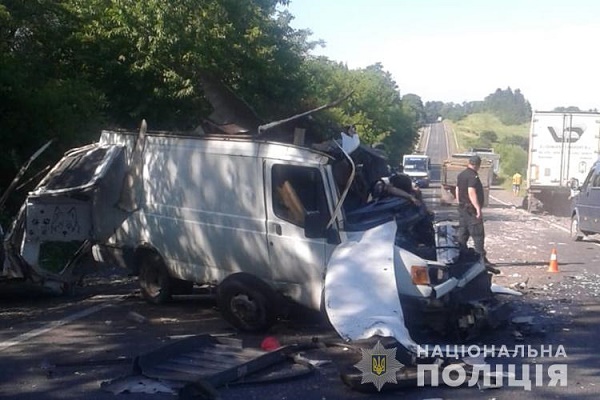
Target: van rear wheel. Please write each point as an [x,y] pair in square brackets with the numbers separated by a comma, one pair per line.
[154,279]
[247,303]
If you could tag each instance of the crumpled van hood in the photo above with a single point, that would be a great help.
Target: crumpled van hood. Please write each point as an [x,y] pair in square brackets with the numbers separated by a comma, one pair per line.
[361,296]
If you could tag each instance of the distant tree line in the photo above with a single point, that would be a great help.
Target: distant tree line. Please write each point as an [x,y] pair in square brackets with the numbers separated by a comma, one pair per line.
[509,106]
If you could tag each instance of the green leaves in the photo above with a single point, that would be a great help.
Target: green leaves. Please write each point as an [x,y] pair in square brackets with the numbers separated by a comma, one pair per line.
[70,67]
[511,107]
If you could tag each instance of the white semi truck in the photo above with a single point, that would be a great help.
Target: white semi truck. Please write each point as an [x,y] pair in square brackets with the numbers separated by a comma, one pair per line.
[562,147]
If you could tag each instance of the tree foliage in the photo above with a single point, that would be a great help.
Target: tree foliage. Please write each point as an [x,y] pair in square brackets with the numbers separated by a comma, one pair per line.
[154,52]
[511,107]
[375,106]
[70,67]
[415,108]
[567,109]
[513,159]
[43,93]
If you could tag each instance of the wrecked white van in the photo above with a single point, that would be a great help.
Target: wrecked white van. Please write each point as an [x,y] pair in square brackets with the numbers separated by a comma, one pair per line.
[260,221]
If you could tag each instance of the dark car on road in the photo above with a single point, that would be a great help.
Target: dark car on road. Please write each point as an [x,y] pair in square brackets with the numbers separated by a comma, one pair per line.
[585,208]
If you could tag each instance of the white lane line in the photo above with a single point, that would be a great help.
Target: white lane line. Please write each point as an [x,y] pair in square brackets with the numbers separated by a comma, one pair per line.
[500,201]
[52,325]
[562,228]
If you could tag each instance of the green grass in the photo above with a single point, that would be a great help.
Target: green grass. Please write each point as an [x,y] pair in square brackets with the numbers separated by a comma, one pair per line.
[512,158]
[469,129]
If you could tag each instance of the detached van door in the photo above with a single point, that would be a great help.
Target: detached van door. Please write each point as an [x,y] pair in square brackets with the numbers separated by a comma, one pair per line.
[291,191]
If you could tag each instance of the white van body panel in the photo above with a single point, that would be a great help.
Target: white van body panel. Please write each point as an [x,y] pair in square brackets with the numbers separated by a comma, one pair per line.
[206,208]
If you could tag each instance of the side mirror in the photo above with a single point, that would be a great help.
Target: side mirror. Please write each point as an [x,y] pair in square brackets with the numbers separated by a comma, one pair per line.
[314,227]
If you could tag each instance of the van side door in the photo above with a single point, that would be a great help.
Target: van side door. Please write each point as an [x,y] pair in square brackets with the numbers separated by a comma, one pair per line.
[291,192]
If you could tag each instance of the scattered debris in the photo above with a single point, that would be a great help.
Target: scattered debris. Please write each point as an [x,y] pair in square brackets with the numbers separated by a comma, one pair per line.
[139,384]
[137,317]
[504,290]
[523,320]
[301,359]
[270,343]
[201,364]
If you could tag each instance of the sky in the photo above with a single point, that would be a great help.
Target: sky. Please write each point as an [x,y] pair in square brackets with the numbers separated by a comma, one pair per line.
[463,50]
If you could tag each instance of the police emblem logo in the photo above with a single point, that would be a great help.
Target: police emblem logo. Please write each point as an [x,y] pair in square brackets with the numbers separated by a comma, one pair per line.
[378,365]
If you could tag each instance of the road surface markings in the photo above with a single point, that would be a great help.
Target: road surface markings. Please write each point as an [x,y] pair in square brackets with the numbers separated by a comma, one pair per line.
[500,201]
[53,325]
[562,228]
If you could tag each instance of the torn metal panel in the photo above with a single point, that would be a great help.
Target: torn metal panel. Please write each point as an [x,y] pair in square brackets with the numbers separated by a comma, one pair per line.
[208,362]
[80,191]
[195,358]
[74,202]
[131,193]
[20,174]
[370,288]
[446,250]
[58,219]
[361,296]
[499,289]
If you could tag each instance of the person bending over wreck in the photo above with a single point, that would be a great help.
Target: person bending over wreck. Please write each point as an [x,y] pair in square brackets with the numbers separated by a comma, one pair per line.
[420,231]
[402,186]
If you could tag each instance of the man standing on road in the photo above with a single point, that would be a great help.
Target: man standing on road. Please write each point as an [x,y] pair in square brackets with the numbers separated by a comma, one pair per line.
[516,183]
[469,194]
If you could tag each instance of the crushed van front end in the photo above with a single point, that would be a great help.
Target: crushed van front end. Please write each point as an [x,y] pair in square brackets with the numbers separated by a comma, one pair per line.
[453,300]
[375,287]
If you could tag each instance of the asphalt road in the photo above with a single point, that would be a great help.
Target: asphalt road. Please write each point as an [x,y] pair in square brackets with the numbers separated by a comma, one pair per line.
[55,347]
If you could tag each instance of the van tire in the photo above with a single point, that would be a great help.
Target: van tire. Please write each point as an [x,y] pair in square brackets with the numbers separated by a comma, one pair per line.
[154,279]
[247,303]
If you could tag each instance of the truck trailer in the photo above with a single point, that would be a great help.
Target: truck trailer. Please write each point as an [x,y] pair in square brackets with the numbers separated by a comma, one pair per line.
[454,166]
[562,146]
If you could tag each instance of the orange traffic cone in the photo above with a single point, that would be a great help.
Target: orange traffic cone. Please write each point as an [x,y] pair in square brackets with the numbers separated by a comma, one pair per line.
[553,266]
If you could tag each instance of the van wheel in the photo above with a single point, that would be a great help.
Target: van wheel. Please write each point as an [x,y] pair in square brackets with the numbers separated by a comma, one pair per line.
[155,283]
[247,303]
[576,234]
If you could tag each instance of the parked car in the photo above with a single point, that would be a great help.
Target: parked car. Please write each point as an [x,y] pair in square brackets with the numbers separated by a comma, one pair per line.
[585,207]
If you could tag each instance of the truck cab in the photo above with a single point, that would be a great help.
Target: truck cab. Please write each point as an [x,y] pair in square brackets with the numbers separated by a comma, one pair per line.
[417,166]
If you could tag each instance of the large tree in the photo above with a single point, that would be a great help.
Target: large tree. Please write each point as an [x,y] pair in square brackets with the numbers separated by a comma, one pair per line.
[375,106]
[43,94]
[154,52]
[510,107]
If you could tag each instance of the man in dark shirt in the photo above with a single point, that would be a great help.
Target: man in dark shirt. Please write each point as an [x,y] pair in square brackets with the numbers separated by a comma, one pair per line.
[469,194]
